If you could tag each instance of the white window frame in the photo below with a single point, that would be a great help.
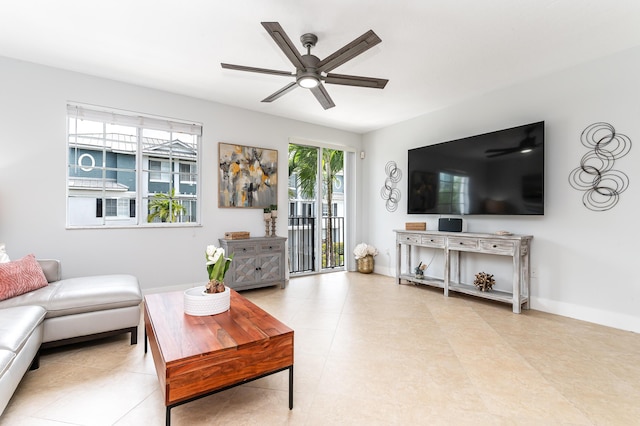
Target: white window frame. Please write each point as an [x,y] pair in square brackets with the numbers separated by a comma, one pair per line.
[140,195]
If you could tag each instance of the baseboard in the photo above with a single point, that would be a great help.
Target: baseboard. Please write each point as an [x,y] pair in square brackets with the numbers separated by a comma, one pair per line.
[570,310]
[179,287]
[583,313]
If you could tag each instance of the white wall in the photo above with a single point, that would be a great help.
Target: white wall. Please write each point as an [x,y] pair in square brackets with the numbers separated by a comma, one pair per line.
[586,261]
[32,175]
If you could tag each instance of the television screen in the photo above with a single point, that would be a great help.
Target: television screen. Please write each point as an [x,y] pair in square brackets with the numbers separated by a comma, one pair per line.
[499,173]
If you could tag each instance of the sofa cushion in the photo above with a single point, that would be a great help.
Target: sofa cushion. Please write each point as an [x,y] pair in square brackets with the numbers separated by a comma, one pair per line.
[38,297]
[21,276]
[6,358]
[17,324]
[4,257]
[93,293]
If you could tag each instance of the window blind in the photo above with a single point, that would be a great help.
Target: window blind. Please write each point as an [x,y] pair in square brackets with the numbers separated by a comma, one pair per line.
[132,119]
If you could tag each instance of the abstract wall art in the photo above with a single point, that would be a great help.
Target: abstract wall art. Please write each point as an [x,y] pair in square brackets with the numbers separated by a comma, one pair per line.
[601,183]
[389,193]
[248,176]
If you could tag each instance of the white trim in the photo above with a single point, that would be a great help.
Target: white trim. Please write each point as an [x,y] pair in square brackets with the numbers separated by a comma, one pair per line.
[351,208]
[584,313]
[318,144]
[569,310]
[178,287]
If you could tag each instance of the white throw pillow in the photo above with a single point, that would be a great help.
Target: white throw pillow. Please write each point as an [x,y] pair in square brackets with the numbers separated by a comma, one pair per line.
[4,257]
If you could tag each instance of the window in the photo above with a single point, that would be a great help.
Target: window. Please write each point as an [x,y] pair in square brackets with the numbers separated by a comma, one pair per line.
[307,210]
[159,171]
[117,207]
[188,173]
[111,207]
[125,169]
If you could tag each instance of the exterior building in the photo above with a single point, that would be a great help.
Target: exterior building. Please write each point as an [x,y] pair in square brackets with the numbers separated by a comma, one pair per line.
[104,187]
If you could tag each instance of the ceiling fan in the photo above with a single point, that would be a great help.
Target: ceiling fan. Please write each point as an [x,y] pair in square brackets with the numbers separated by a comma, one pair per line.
[310,70]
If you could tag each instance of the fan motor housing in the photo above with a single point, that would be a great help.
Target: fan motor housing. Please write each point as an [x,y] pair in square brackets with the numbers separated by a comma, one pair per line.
[308,40]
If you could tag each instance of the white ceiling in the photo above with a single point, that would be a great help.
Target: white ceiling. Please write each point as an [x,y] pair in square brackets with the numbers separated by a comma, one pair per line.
[434,53]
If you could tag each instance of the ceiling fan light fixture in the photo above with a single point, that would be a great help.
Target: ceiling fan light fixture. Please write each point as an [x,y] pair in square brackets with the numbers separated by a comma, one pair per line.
[308,81]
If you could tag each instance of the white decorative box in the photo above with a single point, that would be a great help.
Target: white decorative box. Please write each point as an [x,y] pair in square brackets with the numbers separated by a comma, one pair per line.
[199,303]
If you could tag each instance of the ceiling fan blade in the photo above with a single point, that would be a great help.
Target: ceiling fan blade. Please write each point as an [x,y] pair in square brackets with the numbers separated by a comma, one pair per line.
[254,69]
[284,43]
[364,42]
[353,80]
[491,153]
[322,96]
[286,89]
[500,154]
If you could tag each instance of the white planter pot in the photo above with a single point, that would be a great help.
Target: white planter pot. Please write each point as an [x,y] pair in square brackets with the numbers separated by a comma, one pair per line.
[199,303]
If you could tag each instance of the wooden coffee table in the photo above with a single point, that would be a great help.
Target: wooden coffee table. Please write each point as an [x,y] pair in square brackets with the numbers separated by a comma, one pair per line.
[198,356]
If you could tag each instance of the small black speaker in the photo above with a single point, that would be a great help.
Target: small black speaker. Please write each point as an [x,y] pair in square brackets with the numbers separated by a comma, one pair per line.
[450,224]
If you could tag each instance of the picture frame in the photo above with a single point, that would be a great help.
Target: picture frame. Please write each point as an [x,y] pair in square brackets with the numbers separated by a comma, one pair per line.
[247,177]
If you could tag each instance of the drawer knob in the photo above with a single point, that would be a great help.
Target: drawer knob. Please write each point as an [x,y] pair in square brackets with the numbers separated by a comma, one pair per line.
[244,249]
[494,246]
[431,240]
[461,243]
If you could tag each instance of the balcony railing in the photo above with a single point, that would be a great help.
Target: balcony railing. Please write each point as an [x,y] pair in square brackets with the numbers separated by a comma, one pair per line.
[332,242]
[302,231]
[302,243]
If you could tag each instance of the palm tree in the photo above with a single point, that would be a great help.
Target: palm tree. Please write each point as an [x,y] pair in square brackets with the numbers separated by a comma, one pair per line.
[165,207]
[303,160]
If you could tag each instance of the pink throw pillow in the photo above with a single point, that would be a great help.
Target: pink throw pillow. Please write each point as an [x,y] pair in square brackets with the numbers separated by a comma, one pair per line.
[21,276]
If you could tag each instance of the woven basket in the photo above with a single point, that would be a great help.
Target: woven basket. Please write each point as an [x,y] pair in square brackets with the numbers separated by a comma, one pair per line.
[199,303]
[365,264]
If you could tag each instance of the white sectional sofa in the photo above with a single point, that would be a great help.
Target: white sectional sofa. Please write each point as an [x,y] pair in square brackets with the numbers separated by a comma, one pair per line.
[62,312]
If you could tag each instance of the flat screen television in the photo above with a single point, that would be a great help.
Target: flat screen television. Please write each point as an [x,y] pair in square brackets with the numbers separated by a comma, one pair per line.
[497,173]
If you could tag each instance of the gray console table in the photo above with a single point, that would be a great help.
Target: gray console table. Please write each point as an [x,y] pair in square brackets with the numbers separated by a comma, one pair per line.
[453,243]
[257,262]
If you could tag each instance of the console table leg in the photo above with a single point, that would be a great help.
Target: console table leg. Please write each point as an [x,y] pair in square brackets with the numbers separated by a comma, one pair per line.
[168,417]
[145,339]
[517,276]
[291,387]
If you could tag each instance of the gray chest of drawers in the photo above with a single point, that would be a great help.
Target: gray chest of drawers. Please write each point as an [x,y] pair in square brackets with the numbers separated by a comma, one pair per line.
[257,262]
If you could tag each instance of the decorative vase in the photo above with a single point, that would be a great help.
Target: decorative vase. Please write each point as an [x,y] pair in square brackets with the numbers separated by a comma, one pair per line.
[198,302]
[267,221]
[365,264]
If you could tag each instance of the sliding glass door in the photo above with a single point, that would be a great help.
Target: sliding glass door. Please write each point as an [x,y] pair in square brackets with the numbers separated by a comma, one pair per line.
[316,209]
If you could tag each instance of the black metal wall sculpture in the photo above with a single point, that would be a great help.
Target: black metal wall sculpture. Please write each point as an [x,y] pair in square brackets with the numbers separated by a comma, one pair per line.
[595,176]
[389,192]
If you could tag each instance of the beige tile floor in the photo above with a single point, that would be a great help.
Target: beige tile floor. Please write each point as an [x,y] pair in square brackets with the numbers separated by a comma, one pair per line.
[367,352]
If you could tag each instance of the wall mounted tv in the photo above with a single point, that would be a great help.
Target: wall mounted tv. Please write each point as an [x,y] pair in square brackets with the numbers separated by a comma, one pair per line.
[497,173]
